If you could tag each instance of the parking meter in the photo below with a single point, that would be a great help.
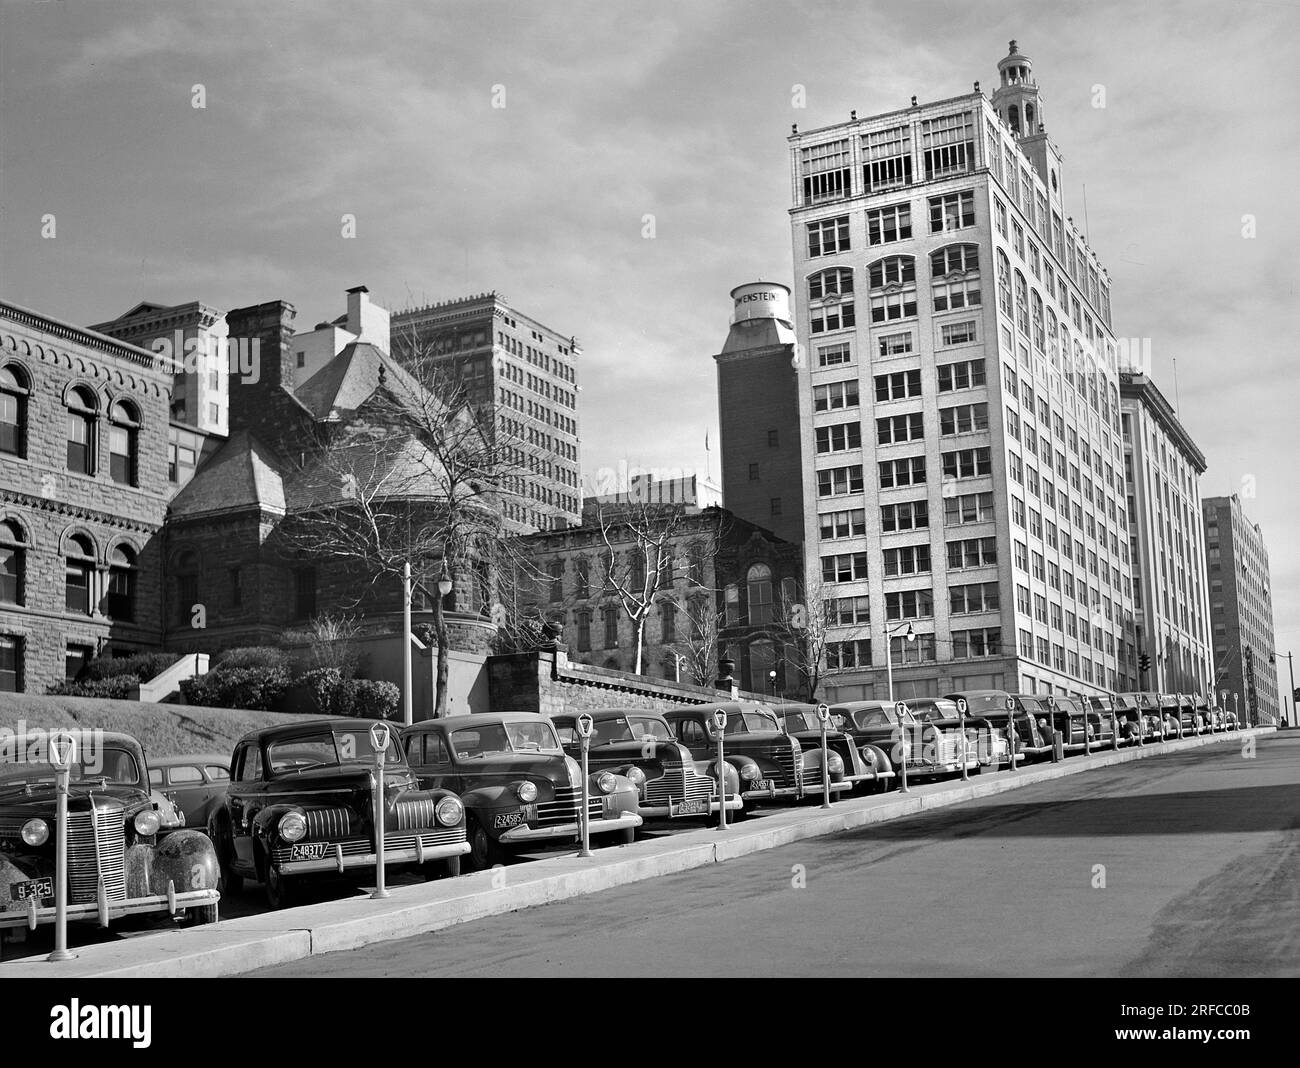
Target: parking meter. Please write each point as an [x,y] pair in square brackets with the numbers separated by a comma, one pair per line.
[63,752]
[584,726]
[1178,713]
[1114,723]
[961,729]
[1057,737]
[904,748]
[720,723]
[824,718]
[1011,729]
[379,739]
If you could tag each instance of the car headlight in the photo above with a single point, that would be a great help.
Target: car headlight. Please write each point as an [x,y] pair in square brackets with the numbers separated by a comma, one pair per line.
[450,811]
[606,782]
[836,763]
[637,776]
[293,825]
[147,822]
[749,772]
[36,832]
[526,792]
[1042,723]
[868,757]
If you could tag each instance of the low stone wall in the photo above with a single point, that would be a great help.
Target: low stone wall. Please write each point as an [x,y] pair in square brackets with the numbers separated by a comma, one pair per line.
[545,681]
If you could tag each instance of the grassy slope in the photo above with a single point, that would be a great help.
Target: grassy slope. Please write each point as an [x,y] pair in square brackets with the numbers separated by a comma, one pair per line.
[165,730]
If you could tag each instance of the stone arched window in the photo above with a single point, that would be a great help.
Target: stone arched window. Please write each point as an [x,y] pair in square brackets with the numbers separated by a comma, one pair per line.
[82,414]
[758,581]
[13,562]
[15,388]
[121,583]
[79,574]
[123,443]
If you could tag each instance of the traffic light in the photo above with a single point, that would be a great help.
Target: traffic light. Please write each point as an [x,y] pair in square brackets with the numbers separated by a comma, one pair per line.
[1144,662]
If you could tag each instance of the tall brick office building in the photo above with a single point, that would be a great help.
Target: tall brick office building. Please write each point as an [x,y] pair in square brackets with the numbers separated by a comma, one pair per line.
[83,494]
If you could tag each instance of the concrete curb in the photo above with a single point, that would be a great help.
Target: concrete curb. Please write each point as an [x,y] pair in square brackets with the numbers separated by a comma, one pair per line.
[243,945]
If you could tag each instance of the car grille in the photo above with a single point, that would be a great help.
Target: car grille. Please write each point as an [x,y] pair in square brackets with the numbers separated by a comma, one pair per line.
[359,847]
[564,808]
[416,813]
[83,871]
[791,768]
[329,823]
[679,783]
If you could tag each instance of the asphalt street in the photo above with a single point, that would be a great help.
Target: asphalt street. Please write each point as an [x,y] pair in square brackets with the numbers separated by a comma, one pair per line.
[1185,865]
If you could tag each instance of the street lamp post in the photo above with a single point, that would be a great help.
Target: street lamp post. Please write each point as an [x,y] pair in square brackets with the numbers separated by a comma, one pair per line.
[910,635]
[1290,663]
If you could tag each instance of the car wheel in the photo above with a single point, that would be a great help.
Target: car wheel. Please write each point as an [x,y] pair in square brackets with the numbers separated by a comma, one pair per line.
[202,916]
[484,852]
[447,868]
[624,837]
[281,890]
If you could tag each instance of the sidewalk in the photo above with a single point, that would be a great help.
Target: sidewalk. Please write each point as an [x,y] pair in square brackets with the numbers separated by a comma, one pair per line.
[235,946]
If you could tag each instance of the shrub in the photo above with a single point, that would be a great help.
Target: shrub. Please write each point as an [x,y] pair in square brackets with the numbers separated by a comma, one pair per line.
[118,686]
[254,656]
[143,666]
[330,692]
[374,699]
[228,686]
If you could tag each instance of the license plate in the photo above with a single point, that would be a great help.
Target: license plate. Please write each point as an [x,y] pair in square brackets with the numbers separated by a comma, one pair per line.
[761,784]
[32,888]
[308,851]
[507,819]
[693,807]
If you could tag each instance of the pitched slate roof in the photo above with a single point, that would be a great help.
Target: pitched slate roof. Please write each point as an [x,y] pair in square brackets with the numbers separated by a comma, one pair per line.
[242,473]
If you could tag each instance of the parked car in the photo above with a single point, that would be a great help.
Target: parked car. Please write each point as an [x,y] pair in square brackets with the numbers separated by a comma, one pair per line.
[300,803]
[930,749]
[117,866]
[866,767]
[1131,717]
[986,743]
[768,761]
[639,745]
[194,784]
[1001,709]
[1103,708]
[518,786]
[1079,726]
[1173,713]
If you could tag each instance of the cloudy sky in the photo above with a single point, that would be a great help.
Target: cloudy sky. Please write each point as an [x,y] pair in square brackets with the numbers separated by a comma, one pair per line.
[615,110]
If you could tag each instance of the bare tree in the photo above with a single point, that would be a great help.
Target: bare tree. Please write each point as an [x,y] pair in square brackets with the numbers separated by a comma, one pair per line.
[700,648]
[412,477]
[639,542]
[804,625]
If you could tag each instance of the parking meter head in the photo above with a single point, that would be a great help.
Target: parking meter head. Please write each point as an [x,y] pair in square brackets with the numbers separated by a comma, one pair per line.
[63,750]
[900,707]
[824,713]
[1011,703]
[962,706]
[379,738]
[720,719]
[584,725]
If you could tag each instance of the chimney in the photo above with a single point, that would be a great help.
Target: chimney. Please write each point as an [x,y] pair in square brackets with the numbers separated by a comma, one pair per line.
[358,298]
[261,363]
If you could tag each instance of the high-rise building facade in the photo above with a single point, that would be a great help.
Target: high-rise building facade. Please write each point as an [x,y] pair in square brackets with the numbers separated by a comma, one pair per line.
[522,376]
[959,403]
[1241,609]
[758,412]
[1166,541]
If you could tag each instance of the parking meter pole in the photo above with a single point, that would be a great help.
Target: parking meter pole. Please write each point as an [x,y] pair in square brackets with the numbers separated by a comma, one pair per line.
[720,721]
[1114,725]
[823,715]
[62,761]
[961,729]
[584,820]
[904,749]
[379,738]
[1011,731]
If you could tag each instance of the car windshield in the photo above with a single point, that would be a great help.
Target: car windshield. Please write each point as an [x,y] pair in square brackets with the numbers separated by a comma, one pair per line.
[866,718]
[327,749]
[801,721]
[614,729]
[94,763]
[983,704]
[944,710]
[643,726]
[751,721]
[475,743]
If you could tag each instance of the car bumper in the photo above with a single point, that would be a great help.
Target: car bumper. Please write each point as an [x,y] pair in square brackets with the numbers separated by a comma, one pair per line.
[569,830]
[339,862]
[172,903]
[815,789]
[661,812]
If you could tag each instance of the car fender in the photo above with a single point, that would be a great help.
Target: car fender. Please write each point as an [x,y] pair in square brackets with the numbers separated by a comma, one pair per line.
[187,860]
[882,762]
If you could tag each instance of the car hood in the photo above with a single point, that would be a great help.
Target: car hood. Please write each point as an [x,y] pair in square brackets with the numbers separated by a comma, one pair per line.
[15,800]
[550,767]
[632,751]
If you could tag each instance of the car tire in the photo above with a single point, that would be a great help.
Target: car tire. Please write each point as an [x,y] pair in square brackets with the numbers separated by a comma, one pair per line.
[281,890]
[447,868]
[624,837]
[484,851]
